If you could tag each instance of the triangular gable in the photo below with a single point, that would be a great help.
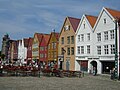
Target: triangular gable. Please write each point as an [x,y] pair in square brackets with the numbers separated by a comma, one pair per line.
[46,38]
[56,35]
[89,19]
[74,22]
[113,14]
[39,36]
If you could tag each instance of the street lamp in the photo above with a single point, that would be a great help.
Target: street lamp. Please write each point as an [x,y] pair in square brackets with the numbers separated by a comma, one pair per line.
[117,23]
[116,54]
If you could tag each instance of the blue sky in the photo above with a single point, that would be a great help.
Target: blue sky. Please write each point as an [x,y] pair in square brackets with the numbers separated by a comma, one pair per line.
[22,18]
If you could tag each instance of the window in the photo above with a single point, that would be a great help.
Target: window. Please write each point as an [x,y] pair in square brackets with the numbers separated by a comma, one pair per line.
[41,55]
[78,49]
[112,34]
[49,46]
[62,51]
[41,48]
[72,39]
[45,55]
[106,35]
[106,49]
[82,49]
[54,54]
[88,36]
[72,50]
[53,45]
[67,27]
[84,25]
[98,37]
[78,38]
[82,37]
[88,49]
[112,48]
[45,48]
[68,40]
[62,40]
[99,50]
[68,51]
[49,54]
[104,21]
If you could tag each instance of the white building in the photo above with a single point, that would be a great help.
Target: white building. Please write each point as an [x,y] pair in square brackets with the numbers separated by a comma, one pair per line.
[102,42]
[84,42]
[22,50]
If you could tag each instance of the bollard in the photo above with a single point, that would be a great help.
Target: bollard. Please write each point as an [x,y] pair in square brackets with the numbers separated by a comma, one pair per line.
[39,74]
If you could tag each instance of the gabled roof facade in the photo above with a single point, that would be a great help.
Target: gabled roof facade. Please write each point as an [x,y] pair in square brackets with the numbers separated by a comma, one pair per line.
[74,22]
[91,20]
[113,14]
[45,39]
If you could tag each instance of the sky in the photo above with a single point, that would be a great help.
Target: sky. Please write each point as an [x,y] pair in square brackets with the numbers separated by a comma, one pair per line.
[22,18]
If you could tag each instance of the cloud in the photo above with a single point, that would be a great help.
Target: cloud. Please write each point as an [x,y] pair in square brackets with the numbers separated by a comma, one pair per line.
[22,18]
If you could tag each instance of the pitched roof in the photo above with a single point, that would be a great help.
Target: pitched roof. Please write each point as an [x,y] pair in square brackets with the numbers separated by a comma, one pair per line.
[91,19]
[74,22]
[26,41]
[39,36]
[114,13]
[46,36]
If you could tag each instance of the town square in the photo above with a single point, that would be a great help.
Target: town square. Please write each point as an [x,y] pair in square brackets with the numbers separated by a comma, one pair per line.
[59,45]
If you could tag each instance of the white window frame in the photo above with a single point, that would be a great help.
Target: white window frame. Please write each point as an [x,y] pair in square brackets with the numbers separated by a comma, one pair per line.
[78,38]
[78,50]
[82,37]
[99,50]
[82,49]
[106,35]
[98,37]
[88,49]
[112,34]
[112,48]
[88,36]
[106,49]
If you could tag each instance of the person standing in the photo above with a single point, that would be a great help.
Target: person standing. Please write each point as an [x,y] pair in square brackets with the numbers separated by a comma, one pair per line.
[94,71]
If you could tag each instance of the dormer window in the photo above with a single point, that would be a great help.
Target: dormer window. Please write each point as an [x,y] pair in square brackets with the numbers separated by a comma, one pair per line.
[67,27]
[104,20]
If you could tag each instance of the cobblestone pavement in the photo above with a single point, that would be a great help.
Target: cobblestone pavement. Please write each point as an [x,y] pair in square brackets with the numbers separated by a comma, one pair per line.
[88,82]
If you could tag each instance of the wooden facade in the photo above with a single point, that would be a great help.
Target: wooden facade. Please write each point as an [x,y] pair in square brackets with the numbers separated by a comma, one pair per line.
[53,47]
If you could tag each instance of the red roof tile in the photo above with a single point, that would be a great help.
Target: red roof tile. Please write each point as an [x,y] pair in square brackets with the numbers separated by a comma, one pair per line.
[47,37]
[114,13]
[74,22]
[91,19]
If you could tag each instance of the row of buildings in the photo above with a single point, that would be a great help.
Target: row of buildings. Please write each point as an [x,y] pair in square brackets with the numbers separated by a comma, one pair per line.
[81,44]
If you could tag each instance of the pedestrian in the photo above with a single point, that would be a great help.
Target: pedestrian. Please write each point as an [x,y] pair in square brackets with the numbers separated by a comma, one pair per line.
[94,71]
[112,72]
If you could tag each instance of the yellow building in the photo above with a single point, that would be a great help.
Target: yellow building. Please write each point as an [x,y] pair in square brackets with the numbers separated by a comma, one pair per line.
[53,47]
[67,43]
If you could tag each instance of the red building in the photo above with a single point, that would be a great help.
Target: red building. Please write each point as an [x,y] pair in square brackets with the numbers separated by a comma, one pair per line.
[44,48]
[29,50]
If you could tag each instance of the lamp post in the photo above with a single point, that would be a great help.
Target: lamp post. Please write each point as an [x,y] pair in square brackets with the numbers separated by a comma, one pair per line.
[116,51]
